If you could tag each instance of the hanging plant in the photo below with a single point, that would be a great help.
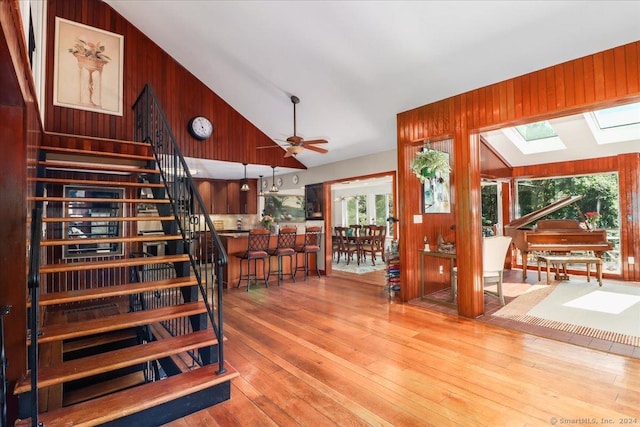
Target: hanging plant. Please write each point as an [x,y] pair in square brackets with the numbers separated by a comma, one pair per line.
[429,163]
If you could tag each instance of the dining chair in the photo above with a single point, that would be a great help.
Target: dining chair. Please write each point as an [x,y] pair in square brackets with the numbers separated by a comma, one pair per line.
[494,252]
[311,245]
[257,249]
[373,243]
[286,247]
[347,243]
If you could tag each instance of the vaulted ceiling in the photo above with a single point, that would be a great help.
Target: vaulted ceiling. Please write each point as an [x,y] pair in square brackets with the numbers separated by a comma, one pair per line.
[356,64]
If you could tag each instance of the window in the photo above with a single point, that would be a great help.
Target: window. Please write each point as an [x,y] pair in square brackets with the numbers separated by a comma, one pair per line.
[600,194]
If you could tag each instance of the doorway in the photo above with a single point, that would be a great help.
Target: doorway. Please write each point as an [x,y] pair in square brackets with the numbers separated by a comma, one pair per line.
[358,201]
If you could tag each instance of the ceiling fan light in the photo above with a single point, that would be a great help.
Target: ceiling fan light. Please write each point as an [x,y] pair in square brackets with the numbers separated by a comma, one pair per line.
[295,149]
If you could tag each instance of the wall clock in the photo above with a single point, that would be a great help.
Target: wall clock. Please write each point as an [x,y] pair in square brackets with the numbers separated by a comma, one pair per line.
[265,184]
[279,182]
[200,128]
[295,179]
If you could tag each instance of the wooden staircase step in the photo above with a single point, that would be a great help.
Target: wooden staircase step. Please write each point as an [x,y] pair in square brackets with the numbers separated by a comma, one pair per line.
[95,167]
[111,218]
[102,154]
[116,359]
[97,200]
[99,339]
[113,291]
[112,263]
[103,388]
[96,183]
[120,321]
[133,400]
[97,240]
[50,136]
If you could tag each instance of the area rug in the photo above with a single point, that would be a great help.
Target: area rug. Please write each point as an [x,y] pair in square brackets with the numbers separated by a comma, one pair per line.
[610,312]
[363,268]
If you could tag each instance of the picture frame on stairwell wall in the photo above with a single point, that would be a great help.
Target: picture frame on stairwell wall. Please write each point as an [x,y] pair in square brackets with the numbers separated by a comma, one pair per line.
[88,68]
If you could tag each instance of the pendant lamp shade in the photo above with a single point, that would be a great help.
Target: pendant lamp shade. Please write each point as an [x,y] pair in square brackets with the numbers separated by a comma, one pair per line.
[274,187]
[245,184]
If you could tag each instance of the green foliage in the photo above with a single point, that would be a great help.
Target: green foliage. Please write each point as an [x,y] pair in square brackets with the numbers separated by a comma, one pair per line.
[600,194]
[433,162]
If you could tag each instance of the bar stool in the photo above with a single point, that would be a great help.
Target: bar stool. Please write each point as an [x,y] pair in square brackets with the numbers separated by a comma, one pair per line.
[286,247]
[311,245]
[257,249]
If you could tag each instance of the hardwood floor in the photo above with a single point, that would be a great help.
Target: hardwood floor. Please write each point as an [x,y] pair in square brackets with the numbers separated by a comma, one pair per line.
[336,351]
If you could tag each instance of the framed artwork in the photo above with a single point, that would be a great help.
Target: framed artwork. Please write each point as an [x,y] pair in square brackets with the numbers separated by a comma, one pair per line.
[436,193]
[88,68]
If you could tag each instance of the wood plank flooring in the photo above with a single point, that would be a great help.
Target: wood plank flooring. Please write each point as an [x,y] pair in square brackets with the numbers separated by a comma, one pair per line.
[336,351]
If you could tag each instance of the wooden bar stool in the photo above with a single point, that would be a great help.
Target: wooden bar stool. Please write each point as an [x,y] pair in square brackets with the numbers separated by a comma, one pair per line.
[311,245]
[257,249]
[286,247]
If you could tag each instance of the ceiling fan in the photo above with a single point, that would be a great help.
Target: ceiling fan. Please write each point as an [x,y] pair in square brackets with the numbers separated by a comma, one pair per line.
[297,143]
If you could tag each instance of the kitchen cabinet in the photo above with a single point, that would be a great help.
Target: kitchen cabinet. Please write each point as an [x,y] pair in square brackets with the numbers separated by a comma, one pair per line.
[224,197]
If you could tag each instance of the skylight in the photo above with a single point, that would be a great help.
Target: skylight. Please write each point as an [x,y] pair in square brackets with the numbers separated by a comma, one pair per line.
[533,138]
[617,124]
[623,115]
[536,131]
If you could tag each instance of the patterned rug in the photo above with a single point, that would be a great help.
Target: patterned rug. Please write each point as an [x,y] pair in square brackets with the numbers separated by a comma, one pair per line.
[610,312]
[363,268]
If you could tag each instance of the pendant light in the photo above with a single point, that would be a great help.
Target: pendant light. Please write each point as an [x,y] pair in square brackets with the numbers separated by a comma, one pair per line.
[260,190]
[274,187]
[245,184]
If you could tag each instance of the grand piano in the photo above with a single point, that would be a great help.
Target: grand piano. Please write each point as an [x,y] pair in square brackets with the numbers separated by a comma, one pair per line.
[554,235]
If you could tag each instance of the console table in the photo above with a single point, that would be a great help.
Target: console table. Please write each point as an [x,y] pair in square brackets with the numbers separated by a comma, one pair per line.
[435,254]
[563,260]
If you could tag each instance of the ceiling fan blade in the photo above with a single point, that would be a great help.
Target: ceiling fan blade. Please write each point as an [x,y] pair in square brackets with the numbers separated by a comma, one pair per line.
[316,141]
[269,146]
[316,149]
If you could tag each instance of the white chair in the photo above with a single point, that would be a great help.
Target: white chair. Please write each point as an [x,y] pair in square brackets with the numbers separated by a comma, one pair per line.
[494,252]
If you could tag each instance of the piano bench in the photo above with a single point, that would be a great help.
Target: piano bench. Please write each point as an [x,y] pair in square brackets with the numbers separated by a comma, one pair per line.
[563,260]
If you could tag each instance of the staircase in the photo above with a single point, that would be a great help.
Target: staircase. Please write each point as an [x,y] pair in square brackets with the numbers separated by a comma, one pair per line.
[125,309]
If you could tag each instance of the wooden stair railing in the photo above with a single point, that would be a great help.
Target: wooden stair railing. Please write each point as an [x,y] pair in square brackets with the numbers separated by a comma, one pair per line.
[80,307]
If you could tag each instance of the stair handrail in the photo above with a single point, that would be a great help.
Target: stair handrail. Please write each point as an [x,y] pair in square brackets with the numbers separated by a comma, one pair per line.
[3,367]
[153,127]
[33,284]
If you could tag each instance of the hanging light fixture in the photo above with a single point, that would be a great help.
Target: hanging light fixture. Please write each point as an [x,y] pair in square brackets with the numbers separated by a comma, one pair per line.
[245,184]
[274,187]
[260,190]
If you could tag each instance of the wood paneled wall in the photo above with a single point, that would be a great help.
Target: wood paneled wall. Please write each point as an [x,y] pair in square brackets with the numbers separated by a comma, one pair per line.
[20,134]
[181,95]
[600,80]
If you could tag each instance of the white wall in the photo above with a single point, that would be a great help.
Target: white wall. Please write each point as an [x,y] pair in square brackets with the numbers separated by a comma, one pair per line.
[367,165]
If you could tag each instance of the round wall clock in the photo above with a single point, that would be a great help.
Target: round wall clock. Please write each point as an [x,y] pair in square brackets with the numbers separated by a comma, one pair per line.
[295,179]
[279,182]
[265,184]
[200,128]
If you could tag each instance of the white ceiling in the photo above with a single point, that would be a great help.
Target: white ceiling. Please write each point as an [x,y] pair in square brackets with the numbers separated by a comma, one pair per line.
[356,64]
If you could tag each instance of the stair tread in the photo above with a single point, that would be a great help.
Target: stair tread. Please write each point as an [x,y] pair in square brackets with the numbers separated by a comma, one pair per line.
[136,399]
[111,219]
[94,182]
[103,388]
[113,291]
[49,135]
[100,339]
[130,239]
[109,361]
[95,167]
[96,200]
[93,153]
[121,262]
[120,321]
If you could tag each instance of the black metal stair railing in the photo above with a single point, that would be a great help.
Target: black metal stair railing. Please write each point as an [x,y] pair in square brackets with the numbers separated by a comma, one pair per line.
[199,238]
[3,367]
